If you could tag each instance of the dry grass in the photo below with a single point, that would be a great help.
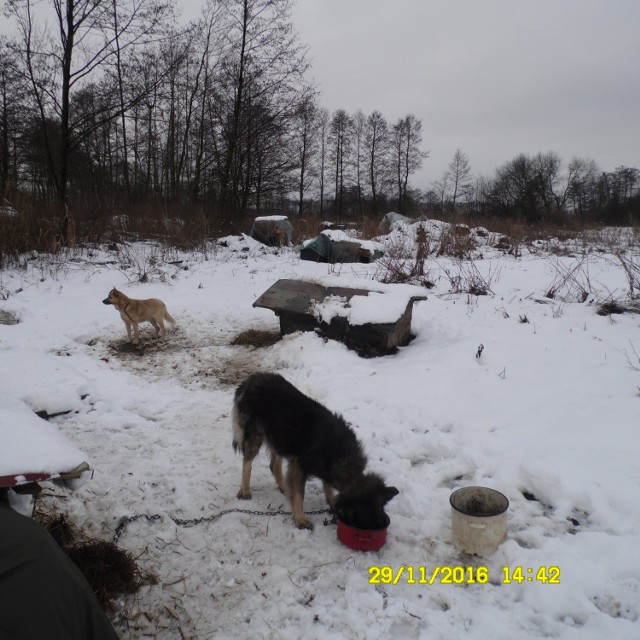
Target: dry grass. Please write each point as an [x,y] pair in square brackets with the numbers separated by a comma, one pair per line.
[256,338]
[631,268]
[572,282]
[456,241]
[37,225]
[465,277]
[109,570]
[370,228]
[405,260]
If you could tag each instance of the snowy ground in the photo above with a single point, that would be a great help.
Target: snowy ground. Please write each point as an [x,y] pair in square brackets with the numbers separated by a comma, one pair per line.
[551,409]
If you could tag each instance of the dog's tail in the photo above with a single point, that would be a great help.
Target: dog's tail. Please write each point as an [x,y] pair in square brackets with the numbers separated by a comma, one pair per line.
[237,428]
[169,318]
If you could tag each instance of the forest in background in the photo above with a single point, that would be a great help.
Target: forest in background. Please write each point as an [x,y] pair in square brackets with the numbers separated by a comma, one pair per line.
[113,118]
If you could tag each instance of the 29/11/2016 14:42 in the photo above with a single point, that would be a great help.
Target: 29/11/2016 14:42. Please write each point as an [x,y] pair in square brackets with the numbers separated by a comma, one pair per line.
[461,575]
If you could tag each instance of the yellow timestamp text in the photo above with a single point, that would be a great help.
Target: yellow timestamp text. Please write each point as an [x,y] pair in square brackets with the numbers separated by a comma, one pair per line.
[421,574]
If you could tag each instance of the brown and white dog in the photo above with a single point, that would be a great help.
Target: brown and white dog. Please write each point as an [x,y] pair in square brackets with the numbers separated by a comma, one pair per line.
[315,442]
[133,312]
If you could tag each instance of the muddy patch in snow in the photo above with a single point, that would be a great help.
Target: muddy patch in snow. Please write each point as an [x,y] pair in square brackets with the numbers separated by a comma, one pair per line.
[207,357]
[8,317]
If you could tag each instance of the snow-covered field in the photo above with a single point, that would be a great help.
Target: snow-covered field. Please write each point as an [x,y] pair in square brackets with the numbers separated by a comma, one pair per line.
[549,415]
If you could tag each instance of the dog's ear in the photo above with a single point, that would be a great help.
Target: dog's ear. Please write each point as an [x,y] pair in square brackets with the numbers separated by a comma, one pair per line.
[388,493]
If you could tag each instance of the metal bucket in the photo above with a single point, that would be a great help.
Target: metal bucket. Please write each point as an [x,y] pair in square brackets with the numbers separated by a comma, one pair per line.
[478,519]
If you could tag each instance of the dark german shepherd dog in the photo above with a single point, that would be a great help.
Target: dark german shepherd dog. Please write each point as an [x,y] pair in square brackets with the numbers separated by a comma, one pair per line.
[315,442]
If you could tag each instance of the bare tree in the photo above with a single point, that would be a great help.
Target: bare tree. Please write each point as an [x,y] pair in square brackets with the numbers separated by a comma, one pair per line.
[13,107]
[90,36]
[207,45]
[535,186]
[513,192]
[407,155]
[440,189]
[323,132]
[266,161]
[377,153]
[264,64]
[359,121]
[305,143]
[626,180]
[547,176]
[340,131]
[581,175]
[460,177]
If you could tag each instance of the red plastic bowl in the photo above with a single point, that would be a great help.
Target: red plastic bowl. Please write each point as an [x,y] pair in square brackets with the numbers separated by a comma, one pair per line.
[362,539]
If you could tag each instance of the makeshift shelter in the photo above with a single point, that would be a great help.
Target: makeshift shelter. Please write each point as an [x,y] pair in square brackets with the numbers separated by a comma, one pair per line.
[272,230]
[336,246]
[371,322]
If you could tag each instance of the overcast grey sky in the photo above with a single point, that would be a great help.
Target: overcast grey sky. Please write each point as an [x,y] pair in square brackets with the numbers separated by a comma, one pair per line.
[493,77]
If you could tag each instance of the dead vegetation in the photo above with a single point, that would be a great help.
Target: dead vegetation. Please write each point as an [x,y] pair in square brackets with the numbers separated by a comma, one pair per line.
[457,241]
[571,282]
[465,277]
[405,259]
[631,268]
[110,571]
[613,307]
[256,338]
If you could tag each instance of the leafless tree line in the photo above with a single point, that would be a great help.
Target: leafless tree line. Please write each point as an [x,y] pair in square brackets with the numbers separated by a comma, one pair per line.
[539,188]
[108,104]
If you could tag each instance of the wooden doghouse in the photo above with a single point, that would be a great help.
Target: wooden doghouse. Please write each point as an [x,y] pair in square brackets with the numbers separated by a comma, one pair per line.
[293,302]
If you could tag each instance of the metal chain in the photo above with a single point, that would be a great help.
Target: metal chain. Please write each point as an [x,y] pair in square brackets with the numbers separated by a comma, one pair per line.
[193,521]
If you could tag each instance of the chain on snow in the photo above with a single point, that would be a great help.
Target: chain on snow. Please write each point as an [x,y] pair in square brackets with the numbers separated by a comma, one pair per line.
[193,521]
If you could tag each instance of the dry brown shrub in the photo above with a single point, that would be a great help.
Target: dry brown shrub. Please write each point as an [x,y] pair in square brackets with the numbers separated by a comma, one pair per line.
[456,242]
[467,278]
[405,260]
[370,228]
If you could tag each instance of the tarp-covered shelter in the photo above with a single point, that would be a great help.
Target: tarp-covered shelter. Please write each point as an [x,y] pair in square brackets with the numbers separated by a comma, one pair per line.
[336,246]
[272,230]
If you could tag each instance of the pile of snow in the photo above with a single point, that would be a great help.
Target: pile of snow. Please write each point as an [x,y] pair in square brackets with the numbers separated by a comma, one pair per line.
[31,444]
[49,384]
[383,304]
[243,244]
[338,235]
